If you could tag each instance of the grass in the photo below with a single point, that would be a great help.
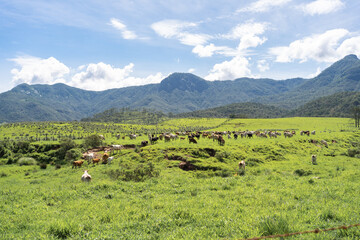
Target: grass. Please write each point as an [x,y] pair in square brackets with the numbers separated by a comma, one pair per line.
[280,192]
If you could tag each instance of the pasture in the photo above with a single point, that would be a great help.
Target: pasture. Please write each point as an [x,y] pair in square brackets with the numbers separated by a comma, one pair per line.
[144,194]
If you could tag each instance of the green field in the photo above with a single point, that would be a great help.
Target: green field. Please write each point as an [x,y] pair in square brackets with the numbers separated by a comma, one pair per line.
[143,194]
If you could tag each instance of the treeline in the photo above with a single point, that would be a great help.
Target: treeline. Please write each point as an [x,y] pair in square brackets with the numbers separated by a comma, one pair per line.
[30,153]
[128,116]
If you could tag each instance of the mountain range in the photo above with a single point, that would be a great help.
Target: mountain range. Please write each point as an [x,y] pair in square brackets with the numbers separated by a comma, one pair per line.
[178,93]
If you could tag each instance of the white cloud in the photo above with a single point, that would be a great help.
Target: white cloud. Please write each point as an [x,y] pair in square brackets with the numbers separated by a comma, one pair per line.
[263,65]
[321,47]
[126,34]
[247,33]
[211,49]
[191,70]
[229,70]
[103,76]
[93,76]
[174,29]
[263,5]
[322,7]
[33,70]
[318,71]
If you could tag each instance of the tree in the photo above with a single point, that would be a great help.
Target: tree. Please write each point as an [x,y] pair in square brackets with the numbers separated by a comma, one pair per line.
[65,145]
[356,112]
[92,141]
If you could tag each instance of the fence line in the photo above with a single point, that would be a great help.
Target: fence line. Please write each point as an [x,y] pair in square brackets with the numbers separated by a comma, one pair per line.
[304,232]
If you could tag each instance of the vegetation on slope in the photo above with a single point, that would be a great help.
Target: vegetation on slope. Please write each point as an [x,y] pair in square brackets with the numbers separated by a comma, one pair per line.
[144,194]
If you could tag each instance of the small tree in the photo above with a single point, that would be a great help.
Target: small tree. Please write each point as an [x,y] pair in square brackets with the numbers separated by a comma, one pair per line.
[92,141]
[356,112]
[65,145]
[73,154]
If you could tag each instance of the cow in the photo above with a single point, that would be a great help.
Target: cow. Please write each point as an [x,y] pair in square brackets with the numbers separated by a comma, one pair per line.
[102,137]
[221,141]
[325,143]
[109,160]
[86,177]
[96,160]
[242,165]
[313,159]
[313,132]
[192,140]
[144,143]
[77,163]
[132,136]
[105,158]
[89,157]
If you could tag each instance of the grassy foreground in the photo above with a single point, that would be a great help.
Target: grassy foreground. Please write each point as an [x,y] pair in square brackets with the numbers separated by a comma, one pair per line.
[144,195]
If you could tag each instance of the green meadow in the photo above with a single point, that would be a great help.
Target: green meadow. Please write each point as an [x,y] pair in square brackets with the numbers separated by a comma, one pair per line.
[144,194]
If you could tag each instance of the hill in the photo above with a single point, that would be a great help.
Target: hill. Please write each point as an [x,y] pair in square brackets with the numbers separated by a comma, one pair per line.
[238,110]
[178,93]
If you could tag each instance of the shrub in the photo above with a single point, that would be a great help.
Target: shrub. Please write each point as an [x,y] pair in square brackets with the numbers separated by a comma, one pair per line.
[73,154]
[92,141]
[274,225]
[43,165]
[253,162]
[26,161]
[352,152]
[137,173]
[302,172]
[57,166]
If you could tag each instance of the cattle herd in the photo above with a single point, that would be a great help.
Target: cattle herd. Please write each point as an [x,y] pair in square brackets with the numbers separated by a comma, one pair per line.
[193,138]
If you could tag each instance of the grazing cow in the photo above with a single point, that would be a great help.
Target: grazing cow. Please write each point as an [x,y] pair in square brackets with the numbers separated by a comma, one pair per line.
[144,143]
[242,165]
[77,163]
[117,136]
[89,157]
[102,137]
[167,138]
[105,158]
[325,143]
[109,160]
[235,136]
[313,132]
[229,137]
[86,177]
[288,134]
[116,147]
[96,160]
[221,141]
[313,159]
[182,138]
[132,136]
[192,140]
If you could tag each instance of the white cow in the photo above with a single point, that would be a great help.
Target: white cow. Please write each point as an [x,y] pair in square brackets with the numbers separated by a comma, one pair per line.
[86,177]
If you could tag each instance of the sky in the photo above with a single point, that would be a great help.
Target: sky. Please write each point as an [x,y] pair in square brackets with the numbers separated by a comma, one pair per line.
[104,44]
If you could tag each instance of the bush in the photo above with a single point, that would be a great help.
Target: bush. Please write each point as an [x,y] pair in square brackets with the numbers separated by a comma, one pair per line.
[26,161]
[73,154]
[352,152]
[137,173]
[92,141]
[274,225]
[43,165]
[302,172]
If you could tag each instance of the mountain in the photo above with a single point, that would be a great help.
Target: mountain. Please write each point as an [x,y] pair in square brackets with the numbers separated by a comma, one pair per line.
[336,105]
[342,76]
[238,110]
[178,93]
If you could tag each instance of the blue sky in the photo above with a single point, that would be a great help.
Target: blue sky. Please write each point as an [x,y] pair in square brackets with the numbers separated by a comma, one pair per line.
[102,44]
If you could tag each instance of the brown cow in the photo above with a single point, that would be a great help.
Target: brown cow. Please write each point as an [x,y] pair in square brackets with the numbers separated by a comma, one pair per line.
[77,163]
[96,160]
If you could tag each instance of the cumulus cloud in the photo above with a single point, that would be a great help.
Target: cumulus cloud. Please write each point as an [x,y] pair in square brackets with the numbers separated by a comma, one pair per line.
[263,65]
[210,49]
[319,7]
[229,70]
[318,71]
[263,5]
[101,76]
[94,76]
[324,47]
[33,70]
[126,34]
[175,29]
[248,33]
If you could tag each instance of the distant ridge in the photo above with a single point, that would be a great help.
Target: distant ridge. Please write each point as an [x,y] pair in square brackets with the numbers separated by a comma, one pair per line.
[178,93]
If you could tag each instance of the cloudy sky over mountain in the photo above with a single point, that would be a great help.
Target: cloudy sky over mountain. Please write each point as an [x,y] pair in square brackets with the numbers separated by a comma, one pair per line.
[97,45]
